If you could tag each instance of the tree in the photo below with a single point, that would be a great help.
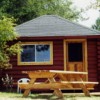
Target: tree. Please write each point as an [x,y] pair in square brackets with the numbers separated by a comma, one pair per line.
[24,10]
[97,24]
[7,34]
[96,4]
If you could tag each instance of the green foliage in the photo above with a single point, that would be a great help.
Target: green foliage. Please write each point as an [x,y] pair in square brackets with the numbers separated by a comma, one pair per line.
[97,25]
[7,34]
[24,10]
[97,4]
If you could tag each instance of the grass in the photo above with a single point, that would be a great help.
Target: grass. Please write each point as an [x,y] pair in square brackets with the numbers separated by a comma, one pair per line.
[45,96]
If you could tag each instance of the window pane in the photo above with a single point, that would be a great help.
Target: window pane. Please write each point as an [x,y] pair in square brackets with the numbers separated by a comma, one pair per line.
[28,53]
[42,53]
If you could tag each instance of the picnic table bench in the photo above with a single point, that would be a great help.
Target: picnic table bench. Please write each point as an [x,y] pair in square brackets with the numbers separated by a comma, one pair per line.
[57,80]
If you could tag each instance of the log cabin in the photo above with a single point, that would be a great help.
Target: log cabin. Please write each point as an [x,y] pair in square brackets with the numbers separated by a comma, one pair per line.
[51,42]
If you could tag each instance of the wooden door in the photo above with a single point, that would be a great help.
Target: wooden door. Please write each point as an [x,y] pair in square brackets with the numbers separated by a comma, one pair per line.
[75,56]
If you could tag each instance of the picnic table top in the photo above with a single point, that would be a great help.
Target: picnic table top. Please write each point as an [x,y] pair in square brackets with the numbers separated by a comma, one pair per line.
[67,72]
[55,71]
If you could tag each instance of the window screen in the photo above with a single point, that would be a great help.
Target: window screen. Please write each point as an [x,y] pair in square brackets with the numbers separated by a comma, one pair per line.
[75,52]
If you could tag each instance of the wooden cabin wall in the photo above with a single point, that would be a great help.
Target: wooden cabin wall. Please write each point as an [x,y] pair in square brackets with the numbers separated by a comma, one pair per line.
[98,62]
[92,59]
[93,54]
[58,62]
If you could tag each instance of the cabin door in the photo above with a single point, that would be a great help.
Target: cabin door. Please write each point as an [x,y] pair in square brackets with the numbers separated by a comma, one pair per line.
[75,55]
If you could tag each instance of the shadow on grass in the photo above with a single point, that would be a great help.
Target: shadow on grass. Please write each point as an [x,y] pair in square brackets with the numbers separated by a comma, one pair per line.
[40,97]
[46,97]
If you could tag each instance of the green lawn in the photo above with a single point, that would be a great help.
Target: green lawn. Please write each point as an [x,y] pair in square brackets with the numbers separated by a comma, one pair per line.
[45,96]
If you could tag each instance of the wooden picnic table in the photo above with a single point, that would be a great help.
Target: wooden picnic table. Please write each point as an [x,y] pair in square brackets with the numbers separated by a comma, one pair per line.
[57,80]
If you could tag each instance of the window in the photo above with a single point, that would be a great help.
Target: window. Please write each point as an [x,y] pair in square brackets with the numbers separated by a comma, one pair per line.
[36,53]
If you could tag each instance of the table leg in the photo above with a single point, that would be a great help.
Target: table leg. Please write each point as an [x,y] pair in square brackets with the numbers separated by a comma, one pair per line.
[85,90]
[57,92]
[83,86]
[27,91]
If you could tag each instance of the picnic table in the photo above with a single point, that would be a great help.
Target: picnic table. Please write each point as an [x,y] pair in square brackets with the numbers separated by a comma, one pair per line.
[57,80]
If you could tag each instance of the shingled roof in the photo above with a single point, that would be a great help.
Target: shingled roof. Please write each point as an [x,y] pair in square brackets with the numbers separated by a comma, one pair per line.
[52,25]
